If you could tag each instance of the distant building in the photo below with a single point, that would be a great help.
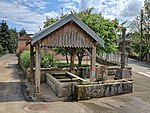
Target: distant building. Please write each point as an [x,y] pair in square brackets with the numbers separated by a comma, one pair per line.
[22,43]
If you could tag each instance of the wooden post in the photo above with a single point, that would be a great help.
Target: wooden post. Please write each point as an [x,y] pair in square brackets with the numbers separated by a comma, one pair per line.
[93,61]
[37,71]
[72,59]
[31,78]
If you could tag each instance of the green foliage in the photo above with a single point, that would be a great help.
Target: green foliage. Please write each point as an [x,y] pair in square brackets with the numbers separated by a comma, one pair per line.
[1,49]
[8,38]
[22,32]
[25,58]
[12,40]
[104,28]
[47,60]
[4,35]
[68,65]
[140,36]
[50,21]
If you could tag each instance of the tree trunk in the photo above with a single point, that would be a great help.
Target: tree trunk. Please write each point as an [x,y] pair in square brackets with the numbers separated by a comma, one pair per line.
[67,58]
[80,60]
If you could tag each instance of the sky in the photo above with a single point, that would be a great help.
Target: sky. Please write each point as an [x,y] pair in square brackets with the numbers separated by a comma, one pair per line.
[30,14]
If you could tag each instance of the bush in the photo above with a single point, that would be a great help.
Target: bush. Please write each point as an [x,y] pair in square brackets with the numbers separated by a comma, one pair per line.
[46,60]
[25,58]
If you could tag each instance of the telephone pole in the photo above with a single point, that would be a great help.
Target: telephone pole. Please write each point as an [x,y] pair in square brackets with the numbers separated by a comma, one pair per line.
[141,32]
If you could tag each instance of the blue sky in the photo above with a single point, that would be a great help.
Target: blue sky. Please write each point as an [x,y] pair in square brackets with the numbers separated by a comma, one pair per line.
[30,14]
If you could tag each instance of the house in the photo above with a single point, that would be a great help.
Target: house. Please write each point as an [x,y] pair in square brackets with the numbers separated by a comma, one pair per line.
[22,43]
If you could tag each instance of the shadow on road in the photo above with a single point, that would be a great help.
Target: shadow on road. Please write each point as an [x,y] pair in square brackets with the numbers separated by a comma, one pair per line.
[10,91]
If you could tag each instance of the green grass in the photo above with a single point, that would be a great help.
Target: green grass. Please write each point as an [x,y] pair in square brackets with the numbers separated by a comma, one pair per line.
[68,65]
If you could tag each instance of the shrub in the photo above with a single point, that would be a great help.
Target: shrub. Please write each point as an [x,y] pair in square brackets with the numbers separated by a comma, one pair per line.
[25,58]
[46,59]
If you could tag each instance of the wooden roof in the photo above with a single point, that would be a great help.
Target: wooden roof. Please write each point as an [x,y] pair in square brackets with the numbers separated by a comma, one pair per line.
[68,32]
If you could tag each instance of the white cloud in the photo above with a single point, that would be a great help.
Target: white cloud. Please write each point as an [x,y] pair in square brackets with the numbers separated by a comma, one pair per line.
[63,0]
[132,8]
[68,6]
[113,8]
[27,13]
[51,14]
[40,4]
[23,16]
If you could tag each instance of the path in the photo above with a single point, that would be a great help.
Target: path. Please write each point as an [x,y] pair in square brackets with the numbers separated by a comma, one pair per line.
[10,88]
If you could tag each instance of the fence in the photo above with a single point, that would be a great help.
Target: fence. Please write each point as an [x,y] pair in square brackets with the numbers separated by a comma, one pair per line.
[114,57]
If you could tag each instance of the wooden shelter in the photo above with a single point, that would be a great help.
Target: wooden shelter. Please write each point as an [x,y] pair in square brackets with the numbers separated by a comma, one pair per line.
[70,32]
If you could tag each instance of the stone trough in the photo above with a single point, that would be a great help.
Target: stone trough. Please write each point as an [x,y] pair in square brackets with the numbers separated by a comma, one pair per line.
[62,83]
[88,91]
[80,89]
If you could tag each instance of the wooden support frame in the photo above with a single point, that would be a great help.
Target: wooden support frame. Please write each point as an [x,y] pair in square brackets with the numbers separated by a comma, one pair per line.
[31,78]
[37,71]
[88,52]
[72,59]
[93,62]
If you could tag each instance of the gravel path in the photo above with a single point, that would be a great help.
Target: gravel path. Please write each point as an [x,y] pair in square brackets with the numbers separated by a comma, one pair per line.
[10,84]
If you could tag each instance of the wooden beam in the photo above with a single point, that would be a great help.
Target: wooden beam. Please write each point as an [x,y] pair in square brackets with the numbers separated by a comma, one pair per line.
[31,78]
[93,62]
[72,55]
[88,52]
[37,71]
[83,80]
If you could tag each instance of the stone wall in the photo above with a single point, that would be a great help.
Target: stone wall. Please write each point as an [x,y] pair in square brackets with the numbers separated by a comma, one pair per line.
[62,89]
[84,92]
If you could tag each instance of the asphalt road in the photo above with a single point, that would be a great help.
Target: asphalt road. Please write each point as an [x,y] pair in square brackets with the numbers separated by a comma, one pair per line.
[139,67]
[12,100]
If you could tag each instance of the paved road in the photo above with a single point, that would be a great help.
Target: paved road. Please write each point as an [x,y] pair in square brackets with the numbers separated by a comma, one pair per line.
[141,68]
[12,101]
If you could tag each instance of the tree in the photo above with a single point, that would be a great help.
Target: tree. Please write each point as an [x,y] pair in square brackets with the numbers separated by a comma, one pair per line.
[12,40]
[104,28]
[1,49]
[62,51]
[22,32]
[140,30]
[4,35]
[8,38]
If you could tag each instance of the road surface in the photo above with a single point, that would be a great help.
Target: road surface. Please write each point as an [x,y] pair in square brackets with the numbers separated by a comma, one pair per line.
[12,100]
[141,68]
